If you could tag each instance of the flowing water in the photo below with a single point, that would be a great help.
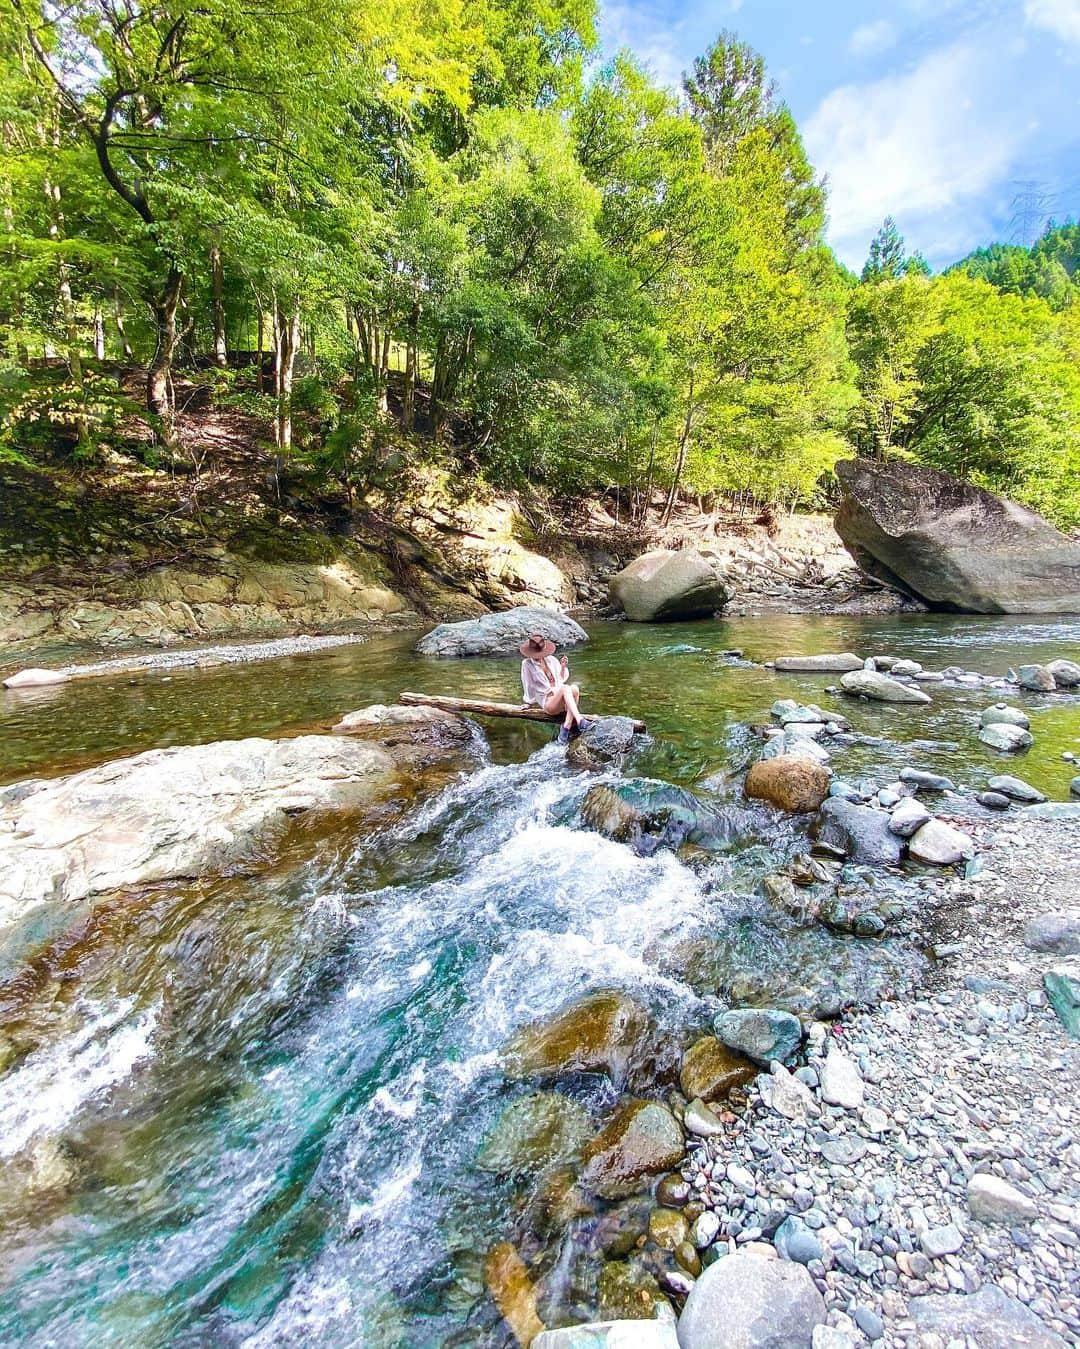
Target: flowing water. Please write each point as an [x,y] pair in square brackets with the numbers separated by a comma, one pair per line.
[247,1110]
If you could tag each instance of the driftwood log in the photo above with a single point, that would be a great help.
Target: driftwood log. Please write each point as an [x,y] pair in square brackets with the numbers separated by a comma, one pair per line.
[478,707]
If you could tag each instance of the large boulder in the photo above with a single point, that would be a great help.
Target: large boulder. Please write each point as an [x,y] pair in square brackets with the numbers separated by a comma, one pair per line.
[190,810]
[606,743]
[789,781]
[763,1034]
[710,1070]
[649,815]
[599,1033]
[641,1140]
[827,663]
[881,688]
[989,1318]
[953,545]
[747,1301]
[500,634]
[667,585]
[861,831]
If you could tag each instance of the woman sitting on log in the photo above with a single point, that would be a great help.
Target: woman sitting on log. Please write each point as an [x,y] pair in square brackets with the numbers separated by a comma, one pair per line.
[545,682]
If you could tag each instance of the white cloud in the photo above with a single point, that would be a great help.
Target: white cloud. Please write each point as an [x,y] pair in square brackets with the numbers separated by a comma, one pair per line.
[652,39]
[915,144]
[1060,17]
[871,38]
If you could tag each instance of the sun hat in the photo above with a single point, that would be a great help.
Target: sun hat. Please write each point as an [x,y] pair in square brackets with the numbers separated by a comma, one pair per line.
[536,645]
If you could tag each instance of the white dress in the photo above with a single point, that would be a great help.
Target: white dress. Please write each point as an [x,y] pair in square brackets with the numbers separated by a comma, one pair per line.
[535,686]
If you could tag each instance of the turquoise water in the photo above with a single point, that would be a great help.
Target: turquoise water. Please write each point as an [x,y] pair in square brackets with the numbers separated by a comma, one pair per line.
[246,1110]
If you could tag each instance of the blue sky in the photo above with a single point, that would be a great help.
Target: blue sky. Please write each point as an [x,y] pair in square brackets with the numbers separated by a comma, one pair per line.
[939,112]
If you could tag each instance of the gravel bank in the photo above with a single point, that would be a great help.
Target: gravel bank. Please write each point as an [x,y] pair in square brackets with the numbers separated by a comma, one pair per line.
[933,1146]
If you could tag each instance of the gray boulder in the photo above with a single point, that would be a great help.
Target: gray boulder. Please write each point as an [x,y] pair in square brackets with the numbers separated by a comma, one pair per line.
[989,1318]
[861,831]
[834,663]
[500,634]
[881,688]
[953,545]
[1016,789]
[1036,678]
[747,1301]
[666,584]
[1056,933]
[1066,673]
[940,843]
[761,1033]
[908,817]
[1006,738]
[656,1334]
[607,742]
[1004,715]
[993,800]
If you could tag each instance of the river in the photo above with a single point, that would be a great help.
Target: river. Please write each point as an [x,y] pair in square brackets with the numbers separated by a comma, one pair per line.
[246,1110]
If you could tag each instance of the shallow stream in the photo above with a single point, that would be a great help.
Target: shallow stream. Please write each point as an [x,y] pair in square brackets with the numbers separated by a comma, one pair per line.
[247,1110]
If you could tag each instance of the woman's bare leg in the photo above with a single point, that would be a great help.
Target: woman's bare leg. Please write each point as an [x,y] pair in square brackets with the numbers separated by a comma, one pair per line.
[565,700]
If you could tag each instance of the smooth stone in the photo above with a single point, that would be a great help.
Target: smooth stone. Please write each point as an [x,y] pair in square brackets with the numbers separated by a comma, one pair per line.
[993,800]
[989,1319]
[500,634]
[534,1132]
[673,1191]
[790,781]
[598,1033]
[795,1241]
[835,663]
[640,1140]
[668,1228]
[1004,715]
[699,1120]
[1015,788]
[710,1069]
[881,688]
[35,678]
[1005,738]
[940,843]
[831,1337]
[940,1241]
[861,831]
[1066,673]
[993,1200]
[841,1081]
[908,816]
[745,1301]
[705,1230]
[869,1322]
[761,1033]
[1036,678]
[910,668]
[923,780]
[1057,933]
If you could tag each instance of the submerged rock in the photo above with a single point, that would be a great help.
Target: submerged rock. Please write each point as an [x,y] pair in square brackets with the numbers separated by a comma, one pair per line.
[837,663]
[952,544]
[500,634]
[747,1301]
[512,1291]
[862,832]
[666,584]
[642,1139]
[989,1318]
[600,1033]
[763,1034]
[788,781]
[710,1069]
[649,815]
[881,688]
[534,1132]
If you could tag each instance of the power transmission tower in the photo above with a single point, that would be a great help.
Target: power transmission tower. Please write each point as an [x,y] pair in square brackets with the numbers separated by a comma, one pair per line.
[1032,206]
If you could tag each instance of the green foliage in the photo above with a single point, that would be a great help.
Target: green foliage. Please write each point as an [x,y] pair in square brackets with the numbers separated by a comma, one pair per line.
[1049,269]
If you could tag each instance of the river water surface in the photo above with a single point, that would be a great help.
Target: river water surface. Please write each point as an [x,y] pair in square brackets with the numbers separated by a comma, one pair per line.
[246,1110]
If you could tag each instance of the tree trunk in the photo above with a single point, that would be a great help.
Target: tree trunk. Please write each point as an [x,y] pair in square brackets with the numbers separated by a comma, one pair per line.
[221,351]
[680,459]
[67,302]
[287,329]
[408,401]
[99,334]
[118,319]
[260,354]
[481,707]
[159,393]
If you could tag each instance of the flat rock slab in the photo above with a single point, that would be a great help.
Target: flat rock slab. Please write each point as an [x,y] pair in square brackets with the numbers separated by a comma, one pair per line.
[835,663]
[881,688]
[500,634]
[990,1318]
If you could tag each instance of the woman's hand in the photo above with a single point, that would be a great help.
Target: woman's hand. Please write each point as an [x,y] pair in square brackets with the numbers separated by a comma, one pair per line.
[564,665]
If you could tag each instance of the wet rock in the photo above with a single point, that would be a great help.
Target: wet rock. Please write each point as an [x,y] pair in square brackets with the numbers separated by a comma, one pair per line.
[706,1229]
[710,1070]
[993,1200]
[952,544]
[512,1291]
[407,728]
[925,781]
[607,741]
[666,584]
[1004,715]
[989,1318]
[700,1121]
[1074,786]
[1005,738]
[627,1291]
[535,1132]
[649,815]
[1036,678]
[1063,992]
[1066,673]
[788,781]
[500,634]
[1057,933]
[908,668]
[863,912]
[745,1301]
[835,663]
[908,817]
[641,1139]
[35,678]
[668,1228]
[881,688]
[600,1033]
[940,843]
[862,832]
[761,1033]
[993,800]
[841,1081]
[1016,789]
[655,1334]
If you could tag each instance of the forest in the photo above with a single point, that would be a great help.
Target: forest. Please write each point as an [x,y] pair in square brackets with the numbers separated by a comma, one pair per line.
[457,230]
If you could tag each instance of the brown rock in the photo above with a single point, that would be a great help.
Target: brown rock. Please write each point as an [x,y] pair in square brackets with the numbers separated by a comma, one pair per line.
[710,1070]
[640,1140]
[600,1033]
[789,781]
[512,1292]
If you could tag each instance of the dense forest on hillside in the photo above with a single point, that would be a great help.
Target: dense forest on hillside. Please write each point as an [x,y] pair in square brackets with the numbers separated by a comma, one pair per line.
[456,231]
